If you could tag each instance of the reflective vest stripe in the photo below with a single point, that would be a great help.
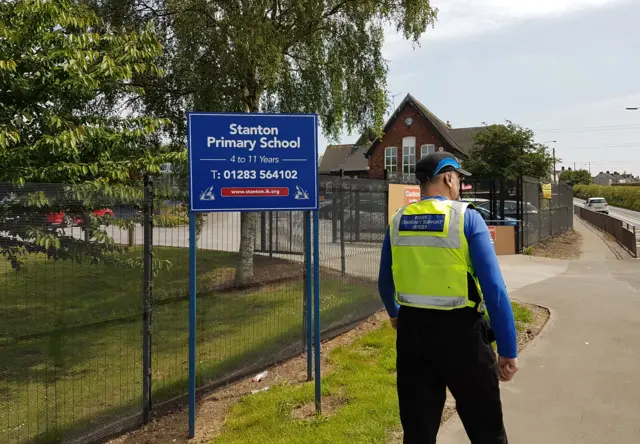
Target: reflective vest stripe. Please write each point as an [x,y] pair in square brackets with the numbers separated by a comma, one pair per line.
[451,241]
[434,301]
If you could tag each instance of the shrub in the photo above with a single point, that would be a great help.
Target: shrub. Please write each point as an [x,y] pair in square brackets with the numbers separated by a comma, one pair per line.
[623,197]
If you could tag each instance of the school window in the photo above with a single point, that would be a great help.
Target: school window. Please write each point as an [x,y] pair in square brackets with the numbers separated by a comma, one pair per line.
[409,155]
[391,159]
[427,149]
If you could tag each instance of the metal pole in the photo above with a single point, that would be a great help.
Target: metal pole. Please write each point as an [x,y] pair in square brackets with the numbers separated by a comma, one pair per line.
[271,233]
[147,298]
[334,210]
[342,220]
[192,324]
[308,286]
[357,214]
[316,308]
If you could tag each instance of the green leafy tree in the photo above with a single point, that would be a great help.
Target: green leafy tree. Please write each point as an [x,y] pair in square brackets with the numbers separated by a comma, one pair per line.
[578,177]
[65,117]
[508,151]
[322,57]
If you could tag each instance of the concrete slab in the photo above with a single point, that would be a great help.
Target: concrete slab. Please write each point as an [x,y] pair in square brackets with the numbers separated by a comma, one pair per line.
[519,271]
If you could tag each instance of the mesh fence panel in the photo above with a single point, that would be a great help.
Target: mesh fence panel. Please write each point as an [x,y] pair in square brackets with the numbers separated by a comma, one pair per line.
[544,217]
[70,347]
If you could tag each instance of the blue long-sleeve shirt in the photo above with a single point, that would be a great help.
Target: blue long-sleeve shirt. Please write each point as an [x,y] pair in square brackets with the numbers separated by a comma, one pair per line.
[485,262]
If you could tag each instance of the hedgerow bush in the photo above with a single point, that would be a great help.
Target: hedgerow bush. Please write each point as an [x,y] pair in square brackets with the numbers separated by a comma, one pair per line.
[623,197]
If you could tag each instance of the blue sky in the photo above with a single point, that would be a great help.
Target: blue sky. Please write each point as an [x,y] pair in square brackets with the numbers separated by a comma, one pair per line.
[565,68]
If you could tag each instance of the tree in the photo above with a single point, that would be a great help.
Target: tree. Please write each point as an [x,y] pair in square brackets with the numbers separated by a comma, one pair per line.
[508,151]
[65,117]
[578,177]
[323,57]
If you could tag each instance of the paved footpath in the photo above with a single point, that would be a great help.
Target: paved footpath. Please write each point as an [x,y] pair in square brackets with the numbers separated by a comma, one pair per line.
[579,380]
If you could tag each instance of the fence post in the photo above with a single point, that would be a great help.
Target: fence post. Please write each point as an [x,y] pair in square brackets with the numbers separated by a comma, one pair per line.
[147,298]
[263,231]
[334,210]
[342,219]
[271,233]
[357,210]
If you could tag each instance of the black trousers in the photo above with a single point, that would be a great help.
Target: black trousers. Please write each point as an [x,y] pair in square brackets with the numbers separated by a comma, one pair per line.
[439,349]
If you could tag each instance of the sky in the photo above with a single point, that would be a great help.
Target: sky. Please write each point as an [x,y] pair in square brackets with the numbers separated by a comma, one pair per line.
[567,69]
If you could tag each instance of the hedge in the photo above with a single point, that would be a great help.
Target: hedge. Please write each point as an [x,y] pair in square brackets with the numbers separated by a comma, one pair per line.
[623,197]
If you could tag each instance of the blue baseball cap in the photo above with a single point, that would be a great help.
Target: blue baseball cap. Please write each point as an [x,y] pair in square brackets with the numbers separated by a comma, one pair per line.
[437,163]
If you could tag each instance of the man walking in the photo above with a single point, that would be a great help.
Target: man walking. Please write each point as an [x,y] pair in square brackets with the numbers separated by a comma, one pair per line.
[438,271]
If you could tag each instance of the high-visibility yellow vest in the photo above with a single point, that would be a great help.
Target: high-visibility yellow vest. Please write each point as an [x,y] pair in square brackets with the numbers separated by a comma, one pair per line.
[430,256]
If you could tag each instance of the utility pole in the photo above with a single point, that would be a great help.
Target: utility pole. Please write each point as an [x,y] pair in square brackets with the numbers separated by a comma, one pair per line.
[554,165]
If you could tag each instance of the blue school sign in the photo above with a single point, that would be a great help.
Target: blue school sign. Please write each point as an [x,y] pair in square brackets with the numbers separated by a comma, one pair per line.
[252,162]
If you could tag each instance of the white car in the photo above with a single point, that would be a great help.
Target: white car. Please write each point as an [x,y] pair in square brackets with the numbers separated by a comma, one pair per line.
[597,204]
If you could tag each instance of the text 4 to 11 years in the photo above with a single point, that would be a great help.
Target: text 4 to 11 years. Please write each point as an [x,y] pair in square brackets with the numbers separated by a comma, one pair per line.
[254,159]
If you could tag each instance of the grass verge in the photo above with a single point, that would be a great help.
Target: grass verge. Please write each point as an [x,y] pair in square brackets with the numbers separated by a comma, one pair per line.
[360,391]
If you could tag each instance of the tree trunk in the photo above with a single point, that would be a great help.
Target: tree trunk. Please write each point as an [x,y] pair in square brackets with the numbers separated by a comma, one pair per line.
[248,228]
[248,221]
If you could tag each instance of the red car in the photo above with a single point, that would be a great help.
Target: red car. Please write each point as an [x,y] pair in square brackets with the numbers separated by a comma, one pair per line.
[59,218]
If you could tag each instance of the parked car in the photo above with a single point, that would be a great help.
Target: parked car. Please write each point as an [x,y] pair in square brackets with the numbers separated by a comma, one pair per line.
[496,220]
[61,219]
[510,208]
[597,204]
[486,214]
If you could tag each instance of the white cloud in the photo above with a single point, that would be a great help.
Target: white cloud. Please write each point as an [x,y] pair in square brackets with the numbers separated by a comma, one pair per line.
[459,19]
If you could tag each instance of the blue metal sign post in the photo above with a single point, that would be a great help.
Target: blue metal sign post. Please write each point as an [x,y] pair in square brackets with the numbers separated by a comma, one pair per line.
[250,162]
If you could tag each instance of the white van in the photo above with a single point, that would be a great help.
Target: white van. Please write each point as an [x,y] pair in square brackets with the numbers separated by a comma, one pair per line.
[597,204]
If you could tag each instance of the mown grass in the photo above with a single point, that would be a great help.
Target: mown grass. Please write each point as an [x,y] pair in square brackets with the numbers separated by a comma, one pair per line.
[362,379]
[89,372]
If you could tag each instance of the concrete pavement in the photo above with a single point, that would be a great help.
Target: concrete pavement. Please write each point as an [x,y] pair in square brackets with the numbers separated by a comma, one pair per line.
[580,378]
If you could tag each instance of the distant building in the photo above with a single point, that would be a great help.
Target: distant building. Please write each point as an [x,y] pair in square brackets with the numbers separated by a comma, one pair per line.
[346,159]
[614,178]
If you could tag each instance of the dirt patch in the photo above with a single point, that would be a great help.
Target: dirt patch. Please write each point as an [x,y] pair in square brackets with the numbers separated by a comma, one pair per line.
[330,404]
[566,245]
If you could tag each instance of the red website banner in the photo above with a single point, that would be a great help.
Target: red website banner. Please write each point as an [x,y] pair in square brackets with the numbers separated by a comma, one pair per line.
[255,192]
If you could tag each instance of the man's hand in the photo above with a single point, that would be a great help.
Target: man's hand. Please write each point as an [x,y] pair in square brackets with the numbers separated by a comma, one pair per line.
[507,368]
[394,323]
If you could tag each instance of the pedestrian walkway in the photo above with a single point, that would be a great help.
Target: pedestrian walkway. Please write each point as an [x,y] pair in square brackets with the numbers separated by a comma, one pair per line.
[580,378]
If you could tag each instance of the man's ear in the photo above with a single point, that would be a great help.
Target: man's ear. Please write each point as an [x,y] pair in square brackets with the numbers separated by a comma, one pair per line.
[447,179]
